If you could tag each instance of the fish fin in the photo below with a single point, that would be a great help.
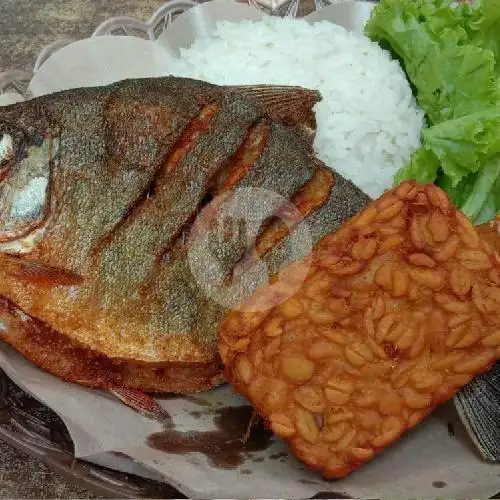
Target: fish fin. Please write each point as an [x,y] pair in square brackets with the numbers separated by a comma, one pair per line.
[292,106]
[284,103]
[37,272]
[478,405]
[141,403]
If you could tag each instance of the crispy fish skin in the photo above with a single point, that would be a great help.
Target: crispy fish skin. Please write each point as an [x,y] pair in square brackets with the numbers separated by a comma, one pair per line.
[401,309]
[135,162]
[74,362]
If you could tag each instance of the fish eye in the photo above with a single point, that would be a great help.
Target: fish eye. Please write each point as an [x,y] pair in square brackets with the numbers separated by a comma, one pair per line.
[6,153]
[13,147]
[26,159]
[18,144]
[6,148]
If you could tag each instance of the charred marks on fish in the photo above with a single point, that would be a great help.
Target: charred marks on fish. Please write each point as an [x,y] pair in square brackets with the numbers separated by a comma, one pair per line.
[181,149]
[218,190]
[303,204]
[271,231]
[216,187]
[225,447]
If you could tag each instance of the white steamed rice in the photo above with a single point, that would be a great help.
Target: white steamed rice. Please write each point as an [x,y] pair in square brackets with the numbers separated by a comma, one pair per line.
[368,120]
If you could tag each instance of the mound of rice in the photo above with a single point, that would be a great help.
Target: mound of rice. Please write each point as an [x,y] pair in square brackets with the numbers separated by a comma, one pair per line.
[368,121]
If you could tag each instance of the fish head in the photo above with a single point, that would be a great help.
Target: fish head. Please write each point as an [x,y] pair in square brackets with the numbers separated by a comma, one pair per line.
[28,148]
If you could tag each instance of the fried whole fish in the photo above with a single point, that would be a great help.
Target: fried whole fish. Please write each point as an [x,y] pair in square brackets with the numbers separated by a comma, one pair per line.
[99,191]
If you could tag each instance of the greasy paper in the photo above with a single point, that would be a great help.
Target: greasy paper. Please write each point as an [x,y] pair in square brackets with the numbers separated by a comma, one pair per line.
[427,462]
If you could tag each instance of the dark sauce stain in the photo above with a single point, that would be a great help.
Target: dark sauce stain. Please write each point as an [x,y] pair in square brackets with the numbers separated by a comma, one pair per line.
[307,481]
[196,414]
[224,446]
[258,460]
[451,430]
[330,494]
[439,484]
[196,400]
[246,471]
[391,350]
[277,456]
[186,397]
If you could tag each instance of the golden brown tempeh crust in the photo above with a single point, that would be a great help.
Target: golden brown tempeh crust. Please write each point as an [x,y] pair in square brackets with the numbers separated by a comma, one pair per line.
[401,309]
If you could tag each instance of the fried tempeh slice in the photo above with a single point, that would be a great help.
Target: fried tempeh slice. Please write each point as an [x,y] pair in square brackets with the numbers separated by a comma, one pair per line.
[490,233]
[401,308]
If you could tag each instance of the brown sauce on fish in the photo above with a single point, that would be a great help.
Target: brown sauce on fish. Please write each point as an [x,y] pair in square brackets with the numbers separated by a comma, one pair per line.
[225,447]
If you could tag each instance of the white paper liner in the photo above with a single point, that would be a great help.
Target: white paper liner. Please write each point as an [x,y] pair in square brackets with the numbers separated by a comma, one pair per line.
[425,463]
[99,61]
[10,98]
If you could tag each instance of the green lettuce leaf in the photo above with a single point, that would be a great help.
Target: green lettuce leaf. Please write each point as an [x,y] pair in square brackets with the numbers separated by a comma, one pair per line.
[452,77]
[458,193]
[454,150]
[482,23]
[455,81]
[463,145]
[482,197]
[423,167]
[451,55]
[410,27]
[490,208]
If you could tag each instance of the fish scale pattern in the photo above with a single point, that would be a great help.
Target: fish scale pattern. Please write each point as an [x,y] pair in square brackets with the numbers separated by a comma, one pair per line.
[137,162]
